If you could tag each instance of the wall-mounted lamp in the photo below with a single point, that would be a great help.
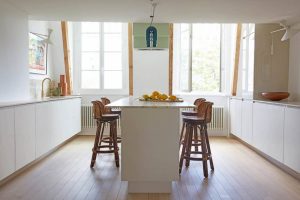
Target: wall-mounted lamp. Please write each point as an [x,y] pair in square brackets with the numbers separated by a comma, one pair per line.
[46,38]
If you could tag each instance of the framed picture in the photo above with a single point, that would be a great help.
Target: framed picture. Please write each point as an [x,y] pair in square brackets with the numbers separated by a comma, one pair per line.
[37,55]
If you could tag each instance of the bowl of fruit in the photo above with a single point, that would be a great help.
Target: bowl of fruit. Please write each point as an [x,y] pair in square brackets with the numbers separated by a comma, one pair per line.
[160,97]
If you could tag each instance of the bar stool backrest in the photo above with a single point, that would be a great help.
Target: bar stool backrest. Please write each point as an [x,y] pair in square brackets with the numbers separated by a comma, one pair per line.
[98,109]
[208,114]
[198,101]
[106,101]
[205,111]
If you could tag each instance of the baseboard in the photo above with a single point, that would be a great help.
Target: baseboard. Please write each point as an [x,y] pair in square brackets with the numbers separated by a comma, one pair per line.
[36,161]
[269,158]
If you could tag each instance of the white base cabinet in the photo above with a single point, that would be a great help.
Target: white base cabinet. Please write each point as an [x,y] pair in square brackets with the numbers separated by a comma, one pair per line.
[236,117]
[7,142]
[25,134]
[292,138]
[247,121]
[268,125]
[29,131]
[273,129]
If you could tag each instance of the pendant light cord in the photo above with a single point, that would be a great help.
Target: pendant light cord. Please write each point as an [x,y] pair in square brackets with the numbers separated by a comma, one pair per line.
[153,12]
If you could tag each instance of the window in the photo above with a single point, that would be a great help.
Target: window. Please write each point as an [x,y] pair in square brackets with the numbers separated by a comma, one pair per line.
[101,56]
[199,57]
[247,56]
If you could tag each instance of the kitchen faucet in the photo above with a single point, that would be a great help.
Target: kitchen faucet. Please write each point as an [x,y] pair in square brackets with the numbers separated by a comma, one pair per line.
[43,85]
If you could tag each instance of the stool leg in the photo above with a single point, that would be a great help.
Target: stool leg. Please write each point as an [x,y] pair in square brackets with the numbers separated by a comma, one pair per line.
[94,155]
[185,141]
[182,130]
[189,146]
[115,142]
[101,135]
[204,152]
[196,138]
[208,149]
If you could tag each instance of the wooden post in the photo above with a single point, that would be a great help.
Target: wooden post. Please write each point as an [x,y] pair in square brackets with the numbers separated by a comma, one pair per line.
[237,59]
[64,30]
[170,59]
[130,58]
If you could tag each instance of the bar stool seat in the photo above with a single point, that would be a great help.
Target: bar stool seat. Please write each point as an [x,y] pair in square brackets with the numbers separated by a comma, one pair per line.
[189,113]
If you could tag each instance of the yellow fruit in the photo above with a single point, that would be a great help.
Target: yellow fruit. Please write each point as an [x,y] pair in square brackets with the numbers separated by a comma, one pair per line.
[153,97]
[155,93]
[172,98]
[146,96]
[163,97]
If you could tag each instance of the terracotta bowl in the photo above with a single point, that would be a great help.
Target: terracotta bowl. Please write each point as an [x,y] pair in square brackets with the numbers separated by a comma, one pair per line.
[275,96]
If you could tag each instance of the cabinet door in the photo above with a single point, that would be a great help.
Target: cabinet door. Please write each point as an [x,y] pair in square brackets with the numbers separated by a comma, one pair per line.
[45,127]
[7,142]
[25,134]
[247,108]
[236,117]
[268,122]
[292,138]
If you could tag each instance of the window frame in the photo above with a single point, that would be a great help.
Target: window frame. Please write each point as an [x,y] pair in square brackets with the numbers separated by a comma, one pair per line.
[77,62]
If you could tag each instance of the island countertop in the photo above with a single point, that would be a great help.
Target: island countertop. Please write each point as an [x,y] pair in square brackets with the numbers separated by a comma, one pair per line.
[132,102]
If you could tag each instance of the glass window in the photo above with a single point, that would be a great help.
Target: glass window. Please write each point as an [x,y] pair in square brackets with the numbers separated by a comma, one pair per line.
[101,65]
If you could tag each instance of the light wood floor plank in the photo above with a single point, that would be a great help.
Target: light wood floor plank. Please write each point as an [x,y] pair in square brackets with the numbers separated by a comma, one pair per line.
[239,173]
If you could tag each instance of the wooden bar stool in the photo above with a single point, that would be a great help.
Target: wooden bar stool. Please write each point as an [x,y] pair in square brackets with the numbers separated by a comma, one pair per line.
[192,123]
[194,112]
[102,119]
[109,110]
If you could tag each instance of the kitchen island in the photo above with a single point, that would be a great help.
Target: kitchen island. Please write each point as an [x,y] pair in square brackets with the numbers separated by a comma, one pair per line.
[150,144]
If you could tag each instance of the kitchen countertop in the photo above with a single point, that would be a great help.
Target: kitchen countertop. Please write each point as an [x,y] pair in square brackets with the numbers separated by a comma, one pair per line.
[280,103]
[32,101]
[133,102]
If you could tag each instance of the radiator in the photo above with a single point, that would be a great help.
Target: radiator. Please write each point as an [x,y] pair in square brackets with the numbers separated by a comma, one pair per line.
[217,123]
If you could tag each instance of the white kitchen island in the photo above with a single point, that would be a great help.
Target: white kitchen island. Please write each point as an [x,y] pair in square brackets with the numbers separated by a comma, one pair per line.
[150,144]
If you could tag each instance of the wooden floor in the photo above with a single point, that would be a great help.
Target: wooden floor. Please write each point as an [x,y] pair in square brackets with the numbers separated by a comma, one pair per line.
[239,174]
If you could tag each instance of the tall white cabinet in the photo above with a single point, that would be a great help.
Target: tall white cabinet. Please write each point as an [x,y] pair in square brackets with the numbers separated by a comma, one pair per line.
[30,131]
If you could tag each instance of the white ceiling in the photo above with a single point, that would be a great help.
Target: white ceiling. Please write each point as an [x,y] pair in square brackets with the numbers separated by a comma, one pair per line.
[257,11]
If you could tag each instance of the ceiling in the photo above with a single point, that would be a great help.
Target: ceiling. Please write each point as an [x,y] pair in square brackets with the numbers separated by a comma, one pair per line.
[256,11]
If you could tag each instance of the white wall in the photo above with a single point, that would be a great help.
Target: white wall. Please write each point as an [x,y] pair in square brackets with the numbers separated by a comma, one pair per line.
[150,71]
[271,72]
[14,78]
[55,57]
[294,69]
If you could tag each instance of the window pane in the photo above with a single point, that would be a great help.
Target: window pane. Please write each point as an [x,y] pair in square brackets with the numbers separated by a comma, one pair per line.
[112,79]
[90,61]
[90,80]
[90,27]
[113,61]
[112,27]
[206,57]
[90,42]
[112,42]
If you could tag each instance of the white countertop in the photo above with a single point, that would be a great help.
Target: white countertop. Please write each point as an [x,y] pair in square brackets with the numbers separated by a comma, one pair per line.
[32,101]
[280,103]
[134,102]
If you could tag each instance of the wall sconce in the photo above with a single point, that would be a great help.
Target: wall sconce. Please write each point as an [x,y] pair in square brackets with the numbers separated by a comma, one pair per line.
[46,38]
